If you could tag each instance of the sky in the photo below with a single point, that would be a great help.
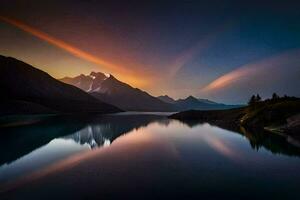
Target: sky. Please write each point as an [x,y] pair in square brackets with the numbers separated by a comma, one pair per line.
[221,50]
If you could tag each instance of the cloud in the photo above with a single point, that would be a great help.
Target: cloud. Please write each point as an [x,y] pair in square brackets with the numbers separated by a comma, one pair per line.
[199,47]
[59,43]
[188,54]
[126,74]
[277,73]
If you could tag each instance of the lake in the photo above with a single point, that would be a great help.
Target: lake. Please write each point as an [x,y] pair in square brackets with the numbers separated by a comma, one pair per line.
[144,156]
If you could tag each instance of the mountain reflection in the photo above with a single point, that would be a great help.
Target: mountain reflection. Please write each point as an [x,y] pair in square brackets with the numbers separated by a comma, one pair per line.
[91,135]
[96,131]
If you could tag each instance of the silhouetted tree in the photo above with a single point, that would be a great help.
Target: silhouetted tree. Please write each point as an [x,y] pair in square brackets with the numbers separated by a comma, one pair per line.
[252,100]
[275,96]
[258,98]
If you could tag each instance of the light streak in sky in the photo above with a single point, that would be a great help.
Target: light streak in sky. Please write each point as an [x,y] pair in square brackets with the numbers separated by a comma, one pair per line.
[131,78]
[275,65]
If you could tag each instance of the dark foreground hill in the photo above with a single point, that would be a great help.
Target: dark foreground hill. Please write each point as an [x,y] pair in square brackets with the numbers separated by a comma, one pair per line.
[27,90]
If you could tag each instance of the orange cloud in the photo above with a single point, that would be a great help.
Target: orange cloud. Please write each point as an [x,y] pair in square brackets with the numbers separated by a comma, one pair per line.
[255,71]
[126,74]
[229,78]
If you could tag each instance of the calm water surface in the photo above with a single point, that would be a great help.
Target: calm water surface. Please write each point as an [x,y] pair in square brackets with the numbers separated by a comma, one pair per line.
[144,156]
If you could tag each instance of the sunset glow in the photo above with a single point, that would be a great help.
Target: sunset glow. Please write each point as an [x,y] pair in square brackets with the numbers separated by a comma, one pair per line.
[229,78]
[187,48]
[257,71]
[127,74]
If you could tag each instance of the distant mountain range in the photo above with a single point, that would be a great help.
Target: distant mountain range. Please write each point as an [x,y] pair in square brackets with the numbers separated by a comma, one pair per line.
[108,89]
[192,103]
[27,90]
[166,99]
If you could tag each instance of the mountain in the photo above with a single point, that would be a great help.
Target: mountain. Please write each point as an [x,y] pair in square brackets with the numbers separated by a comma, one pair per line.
[192,103]
[189,103]
[166,99]
[89,83]
[207,101]
[25,89]
[108,89]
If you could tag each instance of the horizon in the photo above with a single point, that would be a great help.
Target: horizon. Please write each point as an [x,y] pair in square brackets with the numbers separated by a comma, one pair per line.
[224,53]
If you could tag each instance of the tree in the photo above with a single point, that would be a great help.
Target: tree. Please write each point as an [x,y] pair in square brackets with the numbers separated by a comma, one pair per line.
[275,96]
[258,98]
[252,100]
